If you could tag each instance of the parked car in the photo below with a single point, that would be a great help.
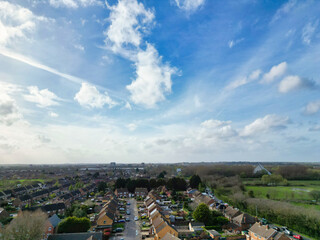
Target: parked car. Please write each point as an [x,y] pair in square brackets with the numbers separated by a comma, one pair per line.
[121,209]
[121,221]
[276,228]
[128,203]
[136,218]
[288,232]
[297,236]
[128,219]
[128,212]
[119,229]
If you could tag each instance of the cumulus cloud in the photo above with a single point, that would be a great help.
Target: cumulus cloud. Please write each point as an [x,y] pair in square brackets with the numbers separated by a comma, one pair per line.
[265,124]
[217,129]
[74,3]
[275,72]
[128,106]
[189,5]
[15,22]
[308,32]
[291,83]
[130,21]
[313,107]
[89,96]
[43,98]
[9,112]
[153,78]
[245,80]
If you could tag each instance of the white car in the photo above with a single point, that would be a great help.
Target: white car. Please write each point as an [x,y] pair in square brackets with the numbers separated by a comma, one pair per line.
[136,218]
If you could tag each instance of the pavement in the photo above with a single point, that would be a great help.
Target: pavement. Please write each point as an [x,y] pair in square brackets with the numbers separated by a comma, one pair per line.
[132,229]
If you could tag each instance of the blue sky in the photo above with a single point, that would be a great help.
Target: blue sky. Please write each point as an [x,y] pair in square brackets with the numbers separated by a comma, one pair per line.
[85,81]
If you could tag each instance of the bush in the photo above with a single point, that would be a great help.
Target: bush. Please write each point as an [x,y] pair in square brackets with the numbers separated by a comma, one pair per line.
[74,224]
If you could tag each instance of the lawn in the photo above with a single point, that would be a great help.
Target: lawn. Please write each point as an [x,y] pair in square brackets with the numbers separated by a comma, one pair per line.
[297,192]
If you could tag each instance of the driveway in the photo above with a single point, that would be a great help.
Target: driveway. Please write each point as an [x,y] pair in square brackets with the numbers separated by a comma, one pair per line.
[132,228]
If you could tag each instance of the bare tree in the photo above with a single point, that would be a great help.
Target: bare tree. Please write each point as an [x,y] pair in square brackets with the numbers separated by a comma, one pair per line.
[27,226]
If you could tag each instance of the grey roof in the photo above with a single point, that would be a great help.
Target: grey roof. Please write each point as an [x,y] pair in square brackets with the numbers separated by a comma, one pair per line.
[263,230]
[169,236]
[76,236]
[54,220]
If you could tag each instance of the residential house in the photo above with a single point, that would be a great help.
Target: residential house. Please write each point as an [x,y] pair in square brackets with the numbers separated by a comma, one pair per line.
[169,236]
[215,235]
[264,232]
[163,229]
[231,212]
[122,192]
[196,226]
[3,214]
[77,236]
[51,225]
[141,192]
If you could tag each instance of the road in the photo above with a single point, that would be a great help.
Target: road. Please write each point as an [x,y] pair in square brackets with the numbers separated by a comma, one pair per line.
[132,228]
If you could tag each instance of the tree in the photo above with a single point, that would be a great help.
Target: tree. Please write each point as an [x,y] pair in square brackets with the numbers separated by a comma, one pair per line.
[79,213]
[102,187]
[195,180]
[251,194]
[315,194]
[28,225]
[202,213]
[74,224]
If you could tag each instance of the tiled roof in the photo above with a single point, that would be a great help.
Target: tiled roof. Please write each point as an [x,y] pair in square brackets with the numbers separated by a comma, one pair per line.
[263,230]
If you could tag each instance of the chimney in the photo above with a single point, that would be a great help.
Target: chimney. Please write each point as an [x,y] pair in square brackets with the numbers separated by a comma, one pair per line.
[267,226]
[260,223]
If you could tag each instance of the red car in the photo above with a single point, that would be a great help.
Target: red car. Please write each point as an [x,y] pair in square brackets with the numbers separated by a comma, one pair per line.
[298,237]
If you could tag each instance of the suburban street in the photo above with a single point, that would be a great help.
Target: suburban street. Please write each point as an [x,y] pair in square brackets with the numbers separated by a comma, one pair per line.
[132,228]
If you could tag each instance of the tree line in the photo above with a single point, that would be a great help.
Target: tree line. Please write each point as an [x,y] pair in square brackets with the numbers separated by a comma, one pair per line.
[175,183]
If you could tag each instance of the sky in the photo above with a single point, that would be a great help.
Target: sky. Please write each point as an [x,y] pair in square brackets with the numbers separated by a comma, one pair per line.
[90,81]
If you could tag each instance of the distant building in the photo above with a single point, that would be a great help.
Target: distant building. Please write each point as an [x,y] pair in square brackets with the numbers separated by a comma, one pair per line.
[113,164]
[261,168]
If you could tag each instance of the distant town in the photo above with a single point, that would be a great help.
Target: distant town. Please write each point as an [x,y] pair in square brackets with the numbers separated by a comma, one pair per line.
[160,201]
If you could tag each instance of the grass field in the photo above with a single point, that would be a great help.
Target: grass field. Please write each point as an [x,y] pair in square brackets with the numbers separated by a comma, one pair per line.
[297,192]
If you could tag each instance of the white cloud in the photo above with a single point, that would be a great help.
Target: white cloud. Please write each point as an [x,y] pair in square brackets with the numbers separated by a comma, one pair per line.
[308,32]
[189,5]
[291,83]
[43,98]
[217,129]
[74,3]
[128,106]
[15,22]
[232,43]
[53,114]
[129,22]
[79,47]
[9,112]
[245,80]
[213,123]
[313,107]
[315,128]
[89,96]
[284,9]
[275,72]
[132,127]
[265,124]
[153,78]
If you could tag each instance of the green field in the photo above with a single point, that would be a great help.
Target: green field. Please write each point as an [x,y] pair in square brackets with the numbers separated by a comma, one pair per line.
[297,192]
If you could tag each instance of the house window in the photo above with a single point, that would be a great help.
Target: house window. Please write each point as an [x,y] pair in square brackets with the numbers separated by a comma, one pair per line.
[49,229]
[104,222]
